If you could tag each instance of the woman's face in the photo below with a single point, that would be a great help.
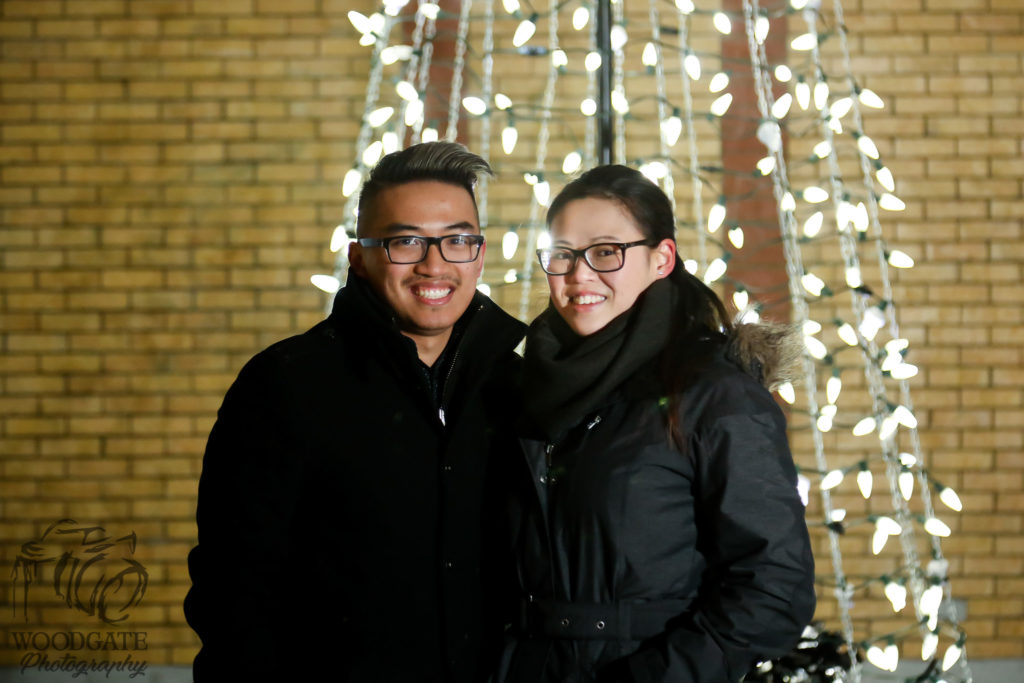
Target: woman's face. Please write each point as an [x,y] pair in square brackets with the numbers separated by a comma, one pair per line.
[588,300]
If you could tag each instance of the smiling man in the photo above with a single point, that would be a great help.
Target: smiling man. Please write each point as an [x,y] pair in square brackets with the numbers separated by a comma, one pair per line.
[344,505]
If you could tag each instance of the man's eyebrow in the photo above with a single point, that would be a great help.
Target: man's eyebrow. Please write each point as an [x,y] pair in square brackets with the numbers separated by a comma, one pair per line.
[395,228]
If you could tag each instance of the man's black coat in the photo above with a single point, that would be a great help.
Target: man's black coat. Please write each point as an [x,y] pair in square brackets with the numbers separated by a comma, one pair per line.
[343,529]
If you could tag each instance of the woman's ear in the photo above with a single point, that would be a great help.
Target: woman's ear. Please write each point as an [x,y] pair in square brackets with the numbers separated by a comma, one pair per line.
[665,257]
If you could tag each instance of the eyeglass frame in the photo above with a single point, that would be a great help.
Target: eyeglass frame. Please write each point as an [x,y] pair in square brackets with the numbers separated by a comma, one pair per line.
[577,253]
[385,242]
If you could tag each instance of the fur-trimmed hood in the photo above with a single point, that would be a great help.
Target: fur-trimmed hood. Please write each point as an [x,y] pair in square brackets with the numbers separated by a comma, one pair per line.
[770,352]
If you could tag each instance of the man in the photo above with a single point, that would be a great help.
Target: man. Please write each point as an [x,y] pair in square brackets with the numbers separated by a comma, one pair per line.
[344,511]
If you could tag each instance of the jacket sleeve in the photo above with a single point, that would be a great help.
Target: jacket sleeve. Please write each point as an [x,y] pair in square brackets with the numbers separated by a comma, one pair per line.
[242,565]
[757,592]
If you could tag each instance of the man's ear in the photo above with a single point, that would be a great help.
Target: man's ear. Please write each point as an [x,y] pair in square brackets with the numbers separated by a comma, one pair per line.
[355,258]
[665,257]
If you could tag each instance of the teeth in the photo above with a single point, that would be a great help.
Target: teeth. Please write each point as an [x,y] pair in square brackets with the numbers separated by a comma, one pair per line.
[433,293]
[588,299]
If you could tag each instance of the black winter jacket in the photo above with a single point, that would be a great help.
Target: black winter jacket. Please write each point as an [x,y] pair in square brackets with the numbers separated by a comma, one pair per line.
[342,526]
[641,563]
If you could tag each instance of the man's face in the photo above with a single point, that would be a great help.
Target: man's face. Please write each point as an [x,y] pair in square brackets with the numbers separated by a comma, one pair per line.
[428,297]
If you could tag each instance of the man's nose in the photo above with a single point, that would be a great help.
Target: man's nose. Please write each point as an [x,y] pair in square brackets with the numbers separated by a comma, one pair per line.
[433,261]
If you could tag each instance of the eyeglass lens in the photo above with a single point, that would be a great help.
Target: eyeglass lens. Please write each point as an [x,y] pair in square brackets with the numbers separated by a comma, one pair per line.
[601,257]
[454,248]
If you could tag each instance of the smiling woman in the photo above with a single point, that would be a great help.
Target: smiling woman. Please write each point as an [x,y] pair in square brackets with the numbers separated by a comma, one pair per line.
[657,527]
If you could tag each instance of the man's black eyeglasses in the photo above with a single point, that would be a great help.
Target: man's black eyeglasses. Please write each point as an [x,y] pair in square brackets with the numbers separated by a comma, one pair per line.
[605,257]
[405,249]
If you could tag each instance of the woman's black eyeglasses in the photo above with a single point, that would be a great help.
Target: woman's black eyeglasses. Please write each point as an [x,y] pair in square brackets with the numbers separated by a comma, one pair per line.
[605,257]
[405,249]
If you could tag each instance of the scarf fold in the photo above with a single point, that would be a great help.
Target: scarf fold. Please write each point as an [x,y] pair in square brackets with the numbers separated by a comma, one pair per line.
[566,376]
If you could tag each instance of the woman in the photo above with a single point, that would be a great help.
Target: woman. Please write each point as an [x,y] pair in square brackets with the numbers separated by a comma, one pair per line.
[661,537]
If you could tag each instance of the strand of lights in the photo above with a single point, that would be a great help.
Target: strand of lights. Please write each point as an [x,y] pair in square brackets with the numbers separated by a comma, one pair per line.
[668,182]
[485,125]
[697,186]
[618,42]
[540,158]
[458,65]
[794,268]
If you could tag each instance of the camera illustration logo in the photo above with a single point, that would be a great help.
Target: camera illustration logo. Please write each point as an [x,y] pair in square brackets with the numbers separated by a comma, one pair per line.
[92,572]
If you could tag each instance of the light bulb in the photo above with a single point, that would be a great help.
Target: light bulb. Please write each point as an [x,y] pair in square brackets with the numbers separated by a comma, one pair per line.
[892,656]
[523,33]
[572,162]
[811,326]
[840,107]
[766,165]
[864,427]
[929,645]
[721,104]
[864,480]
[872,322]
[544,240]
[394,53]
[685,6]
[885,179]
[861,220]
[588,107]
[869,99]
[736,237]
[848,334]
[407,91]
[542,192]
[788,202]
[654,170]
[803,95]
[897,595]
[835,125]
[845,214]
[837,515]
[502,101]
[832,480]
[950,499]
[853,278]
[820,95]
[327,283]
[378,117]
[888,525]
[781,106]
[822,149]
[740,299]
[719,82]
[360,22]
[339,239]
[559,58]
[812,283]
[511,6]
[770,135]
[618,37]
[906,484]
[815,347]
[430,10]
[510,276]
[580,17]
[878,541]
[903,371]
[619,101]
[474,105]
[393,7]
[751,317]
[509,137]
[722,23]
[429,135]
[951,657]
[905,417]
[783,74]
[814,194]
[867,145]
[716,269]
[671,128]
[930,601]
[373,153]
[876,656]
[690,266]
[509,244]
[812,226]
[351,182]
[787,392]
[761,26]
[715,217]
[484,288]
[691,63]
[899,259]
[804,42]
[936,527]
[891,202]
[888,428]
[832,388]
[592,62]
[413,112]
[649,57]
[390,142]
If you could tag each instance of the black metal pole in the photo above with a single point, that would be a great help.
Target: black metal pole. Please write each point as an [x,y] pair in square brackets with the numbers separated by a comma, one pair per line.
[604,82]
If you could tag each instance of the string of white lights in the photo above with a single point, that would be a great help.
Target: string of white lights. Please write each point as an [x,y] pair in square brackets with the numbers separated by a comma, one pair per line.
[697,185]
[663,170]
[459,63]
[488,95]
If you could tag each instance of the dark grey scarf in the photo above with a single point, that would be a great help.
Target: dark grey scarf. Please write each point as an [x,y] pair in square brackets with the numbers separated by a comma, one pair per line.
[566,376]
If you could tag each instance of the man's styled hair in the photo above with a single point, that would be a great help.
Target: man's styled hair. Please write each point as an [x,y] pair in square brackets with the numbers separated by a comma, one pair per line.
[441,161]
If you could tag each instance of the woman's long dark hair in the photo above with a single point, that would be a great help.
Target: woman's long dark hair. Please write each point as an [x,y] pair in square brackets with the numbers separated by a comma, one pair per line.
[702,321]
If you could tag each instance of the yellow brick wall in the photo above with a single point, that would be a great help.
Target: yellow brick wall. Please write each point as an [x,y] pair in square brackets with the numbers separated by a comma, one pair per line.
[169,179]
